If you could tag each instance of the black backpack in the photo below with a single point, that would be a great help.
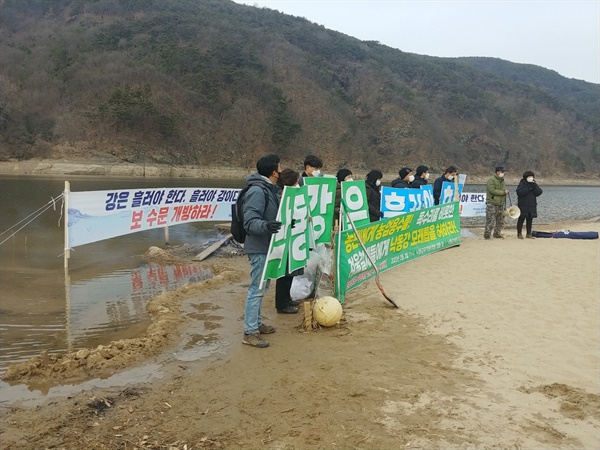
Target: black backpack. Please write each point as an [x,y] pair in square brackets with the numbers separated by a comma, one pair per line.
[237,215]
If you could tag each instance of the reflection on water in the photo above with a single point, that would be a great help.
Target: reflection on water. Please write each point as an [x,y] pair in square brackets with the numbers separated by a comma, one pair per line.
[95,311]
[110,282]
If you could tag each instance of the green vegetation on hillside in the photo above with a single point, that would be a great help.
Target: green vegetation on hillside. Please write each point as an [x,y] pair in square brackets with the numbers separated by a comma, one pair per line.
[213,82]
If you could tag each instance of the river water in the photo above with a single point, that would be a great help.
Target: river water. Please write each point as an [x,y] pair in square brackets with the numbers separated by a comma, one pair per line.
[103,295]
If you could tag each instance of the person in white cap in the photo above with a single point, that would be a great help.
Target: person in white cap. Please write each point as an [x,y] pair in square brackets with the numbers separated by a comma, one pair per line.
[494,204]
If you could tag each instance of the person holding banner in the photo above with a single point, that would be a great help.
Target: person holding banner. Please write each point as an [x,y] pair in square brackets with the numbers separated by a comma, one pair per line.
[312,167]
[448,175]
[373,187]
[421,178]
[342,175]
[406,177]
[283,285]
[527,192]
[260,213]
[494,204]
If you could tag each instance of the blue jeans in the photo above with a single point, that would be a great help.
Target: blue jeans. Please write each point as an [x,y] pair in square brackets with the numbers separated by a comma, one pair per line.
[252,317]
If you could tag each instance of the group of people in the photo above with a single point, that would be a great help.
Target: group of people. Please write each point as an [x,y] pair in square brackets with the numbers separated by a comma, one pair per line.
[496,193]
[261,204]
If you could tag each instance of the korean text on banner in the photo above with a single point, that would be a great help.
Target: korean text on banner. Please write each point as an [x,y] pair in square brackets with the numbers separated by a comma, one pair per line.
[97,215]
[472,204]
[354,194]
[397,201]
[288,249]
[321,192]
[394,241]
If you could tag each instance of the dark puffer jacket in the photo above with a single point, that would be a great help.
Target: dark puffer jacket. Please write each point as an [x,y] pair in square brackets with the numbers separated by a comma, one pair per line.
[257,214]
[527,194]
[374,201]
[399,183]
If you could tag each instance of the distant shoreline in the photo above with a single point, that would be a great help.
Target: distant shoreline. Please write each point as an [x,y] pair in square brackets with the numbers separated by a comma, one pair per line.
[72,167]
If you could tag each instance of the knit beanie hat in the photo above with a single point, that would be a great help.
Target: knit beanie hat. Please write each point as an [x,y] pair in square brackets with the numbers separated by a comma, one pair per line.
[343,173]
[404,171]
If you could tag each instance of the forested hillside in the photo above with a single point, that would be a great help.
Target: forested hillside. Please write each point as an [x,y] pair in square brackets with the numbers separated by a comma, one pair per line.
[216,83]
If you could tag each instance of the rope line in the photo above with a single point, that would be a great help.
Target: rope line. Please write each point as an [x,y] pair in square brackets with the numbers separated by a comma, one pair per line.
[35,214]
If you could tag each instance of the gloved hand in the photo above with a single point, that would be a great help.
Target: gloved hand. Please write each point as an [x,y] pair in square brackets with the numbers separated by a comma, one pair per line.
[273,226]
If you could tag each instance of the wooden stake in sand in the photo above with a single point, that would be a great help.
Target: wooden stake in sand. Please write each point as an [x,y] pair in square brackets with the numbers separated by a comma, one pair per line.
[308,315]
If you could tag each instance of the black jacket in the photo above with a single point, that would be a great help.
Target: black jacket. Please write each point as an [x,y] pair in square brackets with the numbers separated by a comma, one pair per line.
[418,182]
[374,200]
[399,183]
[527,194]
[437,189]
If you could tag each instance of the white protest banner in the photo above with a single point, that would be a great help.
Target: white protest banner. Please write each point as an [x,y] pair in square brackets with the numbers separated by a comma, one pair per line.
[472,204]
[321,193]
[97,215]
[355,196]
[397,201]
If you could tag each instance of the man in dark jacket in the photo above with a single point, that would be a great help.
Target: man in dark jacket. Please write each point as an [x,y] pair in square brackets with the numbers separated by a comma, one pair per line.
[260,213]
[448,175]
[421,177]
[312,168]
[406,177]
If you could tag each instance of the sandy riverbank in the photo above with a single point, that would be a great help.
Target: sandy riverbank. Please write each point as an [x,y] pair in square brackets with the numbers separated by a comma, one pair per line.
[116,168]
[496,345]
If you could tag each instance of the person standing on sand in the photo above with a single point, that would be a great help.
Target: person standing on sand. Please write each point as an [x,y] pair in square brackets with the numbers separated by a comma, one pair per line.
[283,285]
[421,178]
[373,188]
[448,175]
[403,181]
[527,192]
[312,168]
[494,204]
[260,206]
[342,175]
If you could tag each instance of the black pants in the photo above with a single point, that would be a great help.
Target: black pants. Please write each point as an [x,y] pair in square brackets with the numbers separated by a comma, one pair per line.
[282,292]
[528,226]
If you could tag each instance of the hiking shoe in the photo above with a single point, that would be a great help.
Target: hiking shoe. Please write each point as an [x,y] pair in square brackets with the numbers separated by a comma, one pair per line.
[520,236]
[498,236]
[529,236]
[255,340]
[266,329]
[487,238]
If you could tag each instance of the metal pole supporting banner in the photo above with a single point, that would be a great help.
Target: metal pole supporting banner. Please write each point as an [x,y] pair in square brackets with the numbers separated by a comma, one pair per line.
[67,253]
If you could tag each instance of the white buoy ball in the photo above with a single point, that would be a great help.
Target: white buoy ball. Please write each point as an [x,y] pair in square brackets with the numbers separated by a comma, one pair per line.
[327,311]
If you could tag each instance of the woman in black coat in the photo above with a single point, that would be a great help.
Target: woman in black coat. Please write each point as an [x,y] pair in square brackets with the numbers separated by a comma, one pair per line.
[372,184]
[528,191]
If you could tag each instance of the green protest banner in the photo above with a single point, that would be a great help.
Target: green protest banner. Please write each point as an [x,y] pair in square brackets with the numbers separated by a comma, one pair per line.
[321,193]
[354,194]
[289,246]
[277,255]
[299,231]
[394,241]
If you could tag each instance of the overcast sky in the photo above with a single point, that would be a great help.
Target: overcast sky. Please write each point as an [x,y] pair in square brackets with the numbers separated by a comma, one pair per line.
[560,35]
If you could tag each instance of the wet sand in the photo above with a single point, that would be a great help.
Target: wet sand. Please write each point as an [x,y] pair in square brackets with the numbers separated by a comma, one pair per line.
[495,345]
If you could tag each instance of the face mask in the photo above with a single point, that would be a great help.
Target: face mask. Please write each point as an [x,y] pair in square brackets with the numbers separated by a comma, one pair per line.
[349,179]
[378,183]
[501,174]
[316,173]
[411,178]
[451,177]
[427,176]
[530,179]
